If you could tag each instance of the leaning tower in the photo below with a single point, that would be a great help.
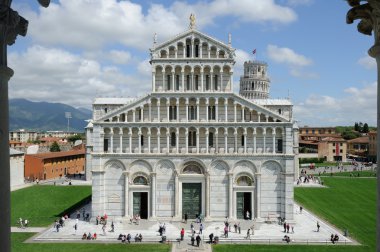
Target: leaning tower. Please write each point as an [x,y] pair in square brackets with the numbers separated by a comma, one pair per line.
[254,84]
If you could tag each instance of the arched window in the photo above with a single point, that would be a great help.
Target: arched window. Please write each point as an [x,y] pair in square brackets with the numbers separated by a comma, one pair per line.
[192,169]
[211,139]
[140,180]
[244,181]
[173,139]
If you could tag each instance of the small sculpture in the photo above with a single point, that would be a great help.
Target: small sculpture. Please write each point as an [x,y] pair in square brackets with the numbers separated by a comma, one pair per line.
[192,21]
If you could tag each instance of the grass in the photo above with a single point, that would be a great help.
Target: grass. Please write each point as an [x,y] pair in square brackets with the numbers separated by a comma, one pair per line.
[42,204]
[19,246]
[346,203]
[354,174]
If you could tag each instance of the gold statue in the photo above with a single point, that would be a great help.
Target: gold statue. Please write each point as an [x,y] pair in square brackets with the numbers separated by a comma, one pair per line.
[192,21]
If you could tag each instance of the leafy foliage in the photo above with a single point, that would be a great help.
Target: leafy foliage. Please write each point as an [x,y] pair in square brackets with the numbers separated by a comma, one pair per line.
[55,147]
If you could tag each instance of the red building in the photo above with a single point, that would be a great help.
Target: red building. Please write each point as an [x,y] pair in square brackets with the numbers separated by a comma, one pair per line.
[54,164]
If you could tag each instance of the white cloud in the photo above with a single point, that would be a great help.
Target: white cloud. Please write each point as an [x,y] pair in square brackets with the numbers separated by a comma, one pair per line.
[56,75]
[287,56]
[354,105]
[120,57]
[367,62]
[93,24]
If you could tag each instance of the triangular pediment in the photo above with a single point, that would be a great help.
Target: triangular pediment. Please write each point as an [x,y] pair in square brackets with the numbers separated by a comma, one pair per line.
[192,33]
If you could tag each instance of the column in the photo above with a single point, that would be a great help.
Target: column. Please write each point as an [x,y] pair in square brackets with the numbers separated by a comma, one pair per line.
[198,108]
[173,83]
[139,139]
[164,84]
[130,140]
[177,104]
[192,81]
[118,118]
[245,140]
[254,140]
[158,140]
[126,191]
[184,49]
[187,140]
[230,192]
[207,104]
[235,111]
[235,134]
[177,139]
[153,195]
[258,116]
[168,140]
[183,80]
[158,110]
[142,113]
[187,109]
[208,52]
[202,74]
[167,109]
[192,48]
[226,110]
[149,134]
[207,140]
[211,80]
[231,81]
[243,114]
[197,143]
[207,201]
[264,136]
[150,111]
[273,141]
[121,140]
[176,52]
[153,81]
[226,140]
[258,198]
[216,110]
[266,118]
[111,136]
[216,140]
[134,115]
[200,49]
[221,80]
[176,191]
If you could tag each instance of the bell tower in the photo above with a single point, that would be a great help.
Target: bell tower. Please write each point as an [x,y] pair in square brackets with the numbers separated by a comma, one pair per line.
[254,84]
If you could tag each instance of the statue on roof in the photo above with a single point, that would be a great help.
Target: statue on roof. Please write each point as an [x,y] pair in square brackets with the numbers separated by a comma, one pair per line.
[192,21]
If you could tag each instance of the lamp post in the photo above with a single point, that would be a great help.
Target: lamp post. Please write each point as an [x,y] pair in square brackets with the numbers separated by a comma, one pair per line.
[11,25]
[369,15]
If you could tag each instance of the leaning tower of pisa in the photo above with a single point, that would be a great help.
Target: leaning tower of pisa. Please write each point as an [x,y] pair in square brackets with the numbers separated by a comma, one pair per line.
[254,84]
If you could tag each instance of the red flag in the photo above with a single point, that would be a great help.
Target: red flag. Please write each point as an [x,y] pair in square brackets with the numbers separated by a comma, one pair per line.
[254,51]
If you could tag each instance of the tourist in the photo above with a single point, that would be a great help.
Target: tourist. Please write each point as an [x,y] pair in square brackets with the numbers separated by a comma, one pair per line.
[287,227]
[78,214]
[247,215]
[97,220]
[201,228]
[75,228]
[20,222]
[89,236]
[186,217]
[26,223]
[182,233]
[318,226]
[140,237]
[112,227]
[239,228]
[129,238]
[84,236]
[226,231]
[94,236]
[104,229]
[248,234]
[235,226]
[198,239]
[286,238]
[122,238]
[284,227]
[292,229]
[57,225]
[211,236]
[301,209]
[192,240]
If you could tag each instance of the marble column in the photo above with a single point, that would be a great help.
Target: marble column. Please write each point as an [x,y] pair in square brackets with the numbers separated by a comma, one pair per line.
[230,194]
[130,140]
[142,113]
[134,115]
[207,110]
[158,110]
[168,140]
[167,109]
[176,196]
[216,140]
[149,136]
[173,82]
[226,110]
[198,108]
[211,81]
[187,140]
[245,140]
[158,140]
[202,76]
[254,140]
[207,140]
[235,104]
[216,110]
[264,139]
[226,140]
[111,138]
[177,113]
[126,192]
[274,141]
[183,80]
[139,139]
[150,111]
[207,201]
[177,139]
[121,140]
[153,81]
[197,144]
[258,193]
[187,109]
[153,194]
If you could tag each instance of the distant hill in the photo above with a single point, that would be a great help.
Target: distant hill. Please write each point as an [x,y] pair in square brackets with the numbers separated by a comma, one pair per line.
[40,116]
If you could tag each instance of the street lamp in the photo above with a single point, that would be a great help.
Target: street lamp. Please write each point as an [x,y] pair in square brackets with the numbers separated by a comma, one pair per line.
[369,15]
[11,25]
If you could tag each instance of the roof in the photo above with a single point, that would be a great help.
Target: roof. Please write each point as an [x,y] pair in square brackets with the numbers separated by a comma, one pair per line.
[47,155]
[272,102]
[364,139]
[308,142]
[333,139]
[13,152]
[113,100]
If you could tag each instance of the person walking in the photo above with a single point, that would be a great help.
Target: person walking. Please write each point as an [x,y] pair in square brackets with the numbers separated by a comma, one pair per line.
[75,228]
[104,229]
[198,239]
[201,228]
[112,227]
[182,233]
[318,226]
[284,227]
[248,234]
[287,227]
[192,240]
[186,217]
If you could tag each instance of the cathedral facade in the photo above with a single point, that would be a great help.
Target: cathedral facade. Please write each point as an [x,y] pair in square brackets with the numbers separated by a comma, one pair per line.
[192,146]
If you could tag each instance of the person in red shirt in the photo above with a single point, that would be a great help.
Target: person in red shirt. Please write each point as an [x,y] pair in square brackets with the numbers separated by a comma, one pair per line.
[182,233]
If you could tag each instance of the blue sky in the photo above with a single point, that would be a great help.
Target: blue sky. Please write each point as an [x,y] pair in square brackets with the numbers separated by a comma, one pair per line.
[77,50]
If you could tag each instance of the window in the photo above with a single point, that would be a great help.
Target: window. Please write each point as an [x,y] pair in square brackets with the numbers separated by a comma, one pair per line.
[187,51]
[140,180]
[211,139]
[341,151]
[341,144]
[168,82]
[279,145]
[139,115]
[192,138]
[216,82]
[196,82]
[253,85]
[197,51]
[333,150]
[142,140]
[242,140]
[211,112]
[187,82]
[333,144]
[207,82]
[105,145]
[279,111]
[105,110]
[173,139]
[173,113]
[244,181]
[192,113]
[177,83]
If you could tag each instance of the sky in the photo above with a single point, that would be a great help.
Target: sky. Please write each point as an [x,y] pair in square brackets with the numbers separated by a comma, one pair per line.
[76,50]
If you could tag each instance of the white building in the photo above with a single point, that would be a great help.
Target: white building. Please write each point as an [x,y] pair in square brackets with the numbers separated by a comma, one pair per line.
[192,145]
[16,160]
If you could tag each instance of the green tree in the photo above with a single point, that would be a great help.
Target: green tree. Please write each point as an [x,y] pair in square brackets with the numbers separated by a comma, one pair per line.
[365,128]
[75,137]
[54,147]
[356,127]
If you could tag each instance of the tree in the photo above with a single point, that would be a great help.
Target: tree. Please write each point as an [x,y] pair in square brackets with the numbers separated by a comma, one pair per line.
[75,137]
[356,127]
[55,147]
[365,128]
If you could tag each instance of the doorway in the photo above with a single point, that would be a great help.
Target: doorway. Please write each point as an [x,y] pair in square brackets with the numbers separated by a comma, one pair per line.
[191,199]
[243,204]
[140,204]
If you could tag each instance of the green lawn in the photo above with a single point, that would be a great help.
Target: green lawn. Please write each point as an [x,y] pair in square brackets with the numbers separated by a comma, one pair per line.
[41,204]
[19,246]
[346,203]
[355,174]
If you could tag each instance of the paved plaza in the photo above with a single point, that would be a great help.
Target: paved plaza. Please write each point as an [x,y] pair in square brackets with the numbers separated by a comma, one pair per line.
[305,231]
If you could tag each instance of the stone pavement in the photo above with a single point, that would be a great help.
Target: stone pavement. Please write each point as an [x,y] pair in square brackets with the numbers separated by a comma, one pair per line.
[305,232]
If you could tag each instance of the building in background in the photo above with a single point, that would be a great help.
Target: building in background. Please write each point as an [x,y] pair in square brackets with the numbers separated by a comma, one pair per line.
[357,148]
[53,165]
[372,146]
[333,149]
[16,159]
[23,135]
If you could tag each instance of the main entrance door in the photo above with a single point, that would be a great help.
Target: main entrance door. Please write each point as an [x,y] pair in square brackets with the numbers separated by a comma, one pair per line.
[243,204]
[191,199]
[140,204]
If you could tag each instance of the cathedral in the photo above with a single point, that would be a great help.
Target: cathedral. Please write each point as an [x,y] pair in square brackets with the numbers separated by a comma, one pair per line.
[193,146]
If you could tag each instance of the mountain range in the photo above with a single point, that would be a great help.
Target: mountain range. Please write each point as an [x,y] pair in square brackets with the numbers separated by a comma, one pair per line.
[43,116]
